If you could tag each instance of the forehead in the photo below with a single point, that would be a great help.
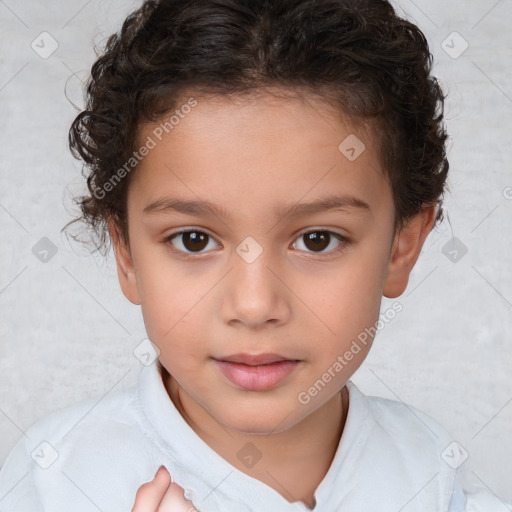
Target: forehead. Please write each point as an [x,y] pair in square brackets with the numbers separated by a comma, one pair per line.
[255,150]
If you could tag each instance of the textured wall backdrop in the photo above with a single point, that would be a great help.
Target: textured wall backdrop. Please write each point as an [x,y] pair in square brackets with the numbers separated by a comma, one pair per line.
[68,333]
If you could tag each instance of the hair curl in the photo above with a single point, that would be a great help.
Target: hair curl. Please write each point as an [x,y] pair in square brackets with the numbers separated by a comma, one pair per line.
[359,55]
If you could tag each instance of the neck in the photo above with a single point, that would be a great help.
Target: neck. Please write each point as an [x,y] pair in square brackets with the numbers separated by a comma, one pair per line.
[293,462]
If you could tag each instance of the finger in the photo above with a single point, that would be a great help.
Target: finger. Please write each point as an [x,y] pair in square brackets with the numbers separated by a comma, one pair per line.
[174,500]
[150,495]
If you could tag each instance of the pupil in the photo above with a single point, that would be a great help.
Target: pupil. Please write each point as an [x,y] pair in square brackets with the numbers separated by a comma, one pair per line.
[195,239]
[319,240]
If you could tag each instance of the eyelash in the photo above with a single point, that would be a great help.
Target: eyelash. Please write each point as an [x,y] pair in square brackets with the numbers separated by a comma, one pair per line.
[168,241]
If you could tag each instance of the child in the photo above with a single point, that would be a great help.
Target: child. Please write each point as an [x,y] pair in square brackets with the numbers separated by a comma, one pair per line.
[267,172]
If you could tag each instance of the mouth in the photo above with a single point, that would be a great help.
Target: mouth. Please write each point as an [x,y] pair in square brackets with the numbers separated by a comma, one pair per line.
[254,359]
[259,372]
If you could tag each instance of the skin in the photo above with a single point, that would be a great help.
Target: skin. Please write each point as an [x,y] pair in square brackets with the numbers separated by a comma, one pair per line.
[250,158]
[162,495]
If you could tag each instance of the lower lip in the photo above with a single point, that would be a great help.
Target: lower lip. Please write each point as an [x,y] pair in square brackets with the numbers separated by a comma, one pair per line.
[257,378]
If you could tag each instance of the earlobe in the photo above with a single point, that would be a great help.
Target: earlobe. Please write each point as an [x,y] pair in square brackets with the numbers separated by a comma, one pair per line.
[406,249]
[125,268]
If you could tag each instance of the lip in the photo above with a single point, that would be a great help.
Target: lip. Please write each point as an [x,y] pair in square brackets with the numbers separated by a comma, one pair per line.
[254,359]
[257,373]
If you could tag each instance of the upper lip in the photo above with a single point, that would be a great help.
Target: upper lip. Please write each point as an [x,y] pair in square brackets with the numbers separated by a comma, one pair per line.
[254,359]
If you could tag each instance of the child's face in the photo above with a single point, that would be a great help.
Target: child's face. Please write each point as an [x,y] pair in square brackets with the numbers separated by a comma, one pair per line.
[303,299]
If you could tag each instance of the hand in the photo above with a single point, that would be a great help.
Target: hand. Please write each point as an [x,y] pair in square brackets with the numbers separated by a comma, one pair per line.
[161,495]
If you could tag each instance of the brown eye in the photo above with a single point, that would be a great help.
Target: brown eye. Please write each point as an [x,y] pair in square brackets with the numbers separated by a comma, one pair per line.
[318,241]
[191,241]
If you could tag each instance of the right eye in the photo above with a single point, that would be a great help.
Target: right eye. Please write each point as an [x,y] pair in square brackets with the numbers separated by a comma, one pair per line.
[191,240]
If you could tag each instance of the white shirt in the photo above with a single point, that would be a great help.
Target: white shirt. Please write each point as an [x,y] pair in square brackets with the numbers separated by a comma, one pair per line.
[93,456]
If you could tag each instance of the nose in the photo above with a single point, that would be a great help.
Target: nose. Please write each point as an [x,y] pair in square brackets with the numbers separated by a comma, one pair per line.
[253,295]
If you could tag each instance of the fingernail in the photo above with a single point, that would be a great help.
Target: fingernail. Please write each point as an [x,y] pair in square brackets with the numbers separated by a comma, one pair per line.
[158,470]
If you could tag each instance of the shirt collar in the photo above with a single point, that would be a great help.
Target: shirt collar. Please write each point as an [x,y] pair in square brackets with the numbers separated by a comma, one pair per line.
[193,464]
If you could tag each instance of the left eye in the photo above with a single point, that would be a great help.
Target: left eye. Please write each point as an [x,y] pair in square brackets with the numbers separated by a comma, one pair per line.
[317,241]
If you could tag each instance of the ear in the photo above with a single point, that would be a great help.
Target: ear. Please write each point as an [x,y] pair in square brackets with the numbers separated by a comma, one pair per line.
[406,249]
[125,268]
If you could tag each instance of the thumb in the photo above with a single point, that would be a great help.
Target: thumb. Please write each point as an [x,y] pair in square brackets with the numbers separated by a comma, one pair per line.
[174,498]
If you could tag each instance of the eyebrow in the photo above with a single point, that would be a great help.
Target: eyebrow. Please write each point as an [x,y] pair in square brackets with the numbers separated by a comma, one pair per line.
[193,207]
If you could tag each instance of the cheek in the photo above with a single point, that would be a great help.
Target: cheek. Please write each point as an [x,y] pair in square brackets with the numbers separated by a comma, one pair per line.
[171,316]
[347,306]
[171,302]
[353,293]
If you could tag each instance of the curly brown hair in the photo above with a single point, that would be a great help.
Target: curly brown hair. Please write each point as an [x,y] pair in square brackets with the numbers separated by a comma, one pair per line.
[357,55]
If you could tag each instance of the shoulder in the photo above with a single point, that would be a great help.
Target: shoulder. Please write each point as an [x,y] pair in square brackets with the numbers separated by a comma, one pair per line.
[62,447]
[408,442]
[403,423]
[401,448]
[84,417]
[58,428]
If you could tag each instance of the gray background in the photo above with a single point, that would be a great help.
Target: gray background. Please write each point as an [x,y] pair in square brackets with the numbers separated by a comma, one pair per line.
[68,333]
